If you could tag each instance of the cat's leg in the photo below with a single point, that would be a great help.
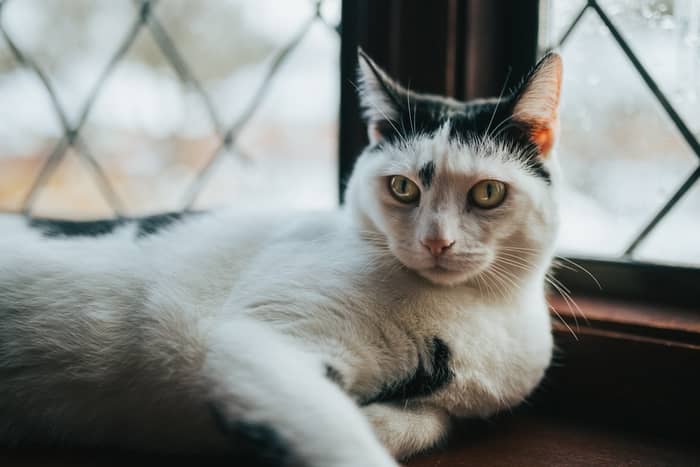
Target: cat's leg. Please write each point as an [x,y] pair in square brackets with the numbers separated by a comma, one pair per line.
[406,429]
[265,389]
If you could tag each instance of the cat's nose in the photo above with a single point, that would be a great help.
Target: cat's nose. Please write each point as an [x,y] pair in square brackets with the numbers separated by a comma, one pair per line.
[437,246]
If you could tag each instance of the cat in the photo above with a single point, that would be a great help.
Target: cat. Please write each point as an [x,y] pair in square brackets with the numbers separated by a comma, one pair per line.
[347,338]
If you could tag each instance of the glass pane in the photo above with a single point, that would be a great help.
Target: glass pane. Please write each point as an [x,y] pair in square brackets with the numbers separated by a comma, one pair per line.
[555,18]
[291,147]
[621,155]
[71,40]
[150,131]
[71,191]
[665,36]
[29,131]
[677,238]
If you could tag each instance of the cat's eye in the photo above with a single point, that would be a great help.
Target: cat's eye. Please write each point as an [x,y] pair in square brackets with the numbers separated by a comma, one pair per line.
[403,189]
[488,194]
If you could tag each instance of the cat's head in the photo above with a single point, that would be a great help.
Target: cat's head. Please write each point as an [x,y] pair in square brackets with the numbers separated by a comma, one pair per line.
[460,190]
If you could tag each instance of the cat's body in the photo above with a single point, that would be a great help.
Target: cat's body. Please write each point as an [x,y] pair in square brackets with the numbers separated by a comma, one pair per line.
[297,332]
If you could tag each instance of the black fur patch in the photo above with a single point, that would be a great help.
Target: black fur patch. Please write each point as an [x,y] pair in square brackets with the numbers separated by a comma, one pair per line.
[145,226]
[418,114]
[254,443]
[153,224]
[334,375]
[426,174]
[59,228]
[424,380]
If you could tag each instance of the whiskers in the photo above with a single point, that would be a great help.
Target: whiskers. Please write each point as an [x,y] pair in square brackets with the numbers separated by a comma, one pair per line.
[565,293]
[504,276]
[500,280]
[572,265]
[495,109]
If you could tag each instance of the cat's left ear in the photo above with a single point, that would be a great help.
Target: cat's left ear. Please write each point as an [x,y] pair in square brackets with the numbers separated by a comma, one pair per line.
[536,104]
[380,98]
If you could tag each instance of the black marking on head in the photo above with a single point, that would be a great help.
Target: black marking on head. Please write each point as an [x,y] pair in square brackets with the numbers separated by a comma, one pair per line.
[415,114]
[538,169]
[426,174]
[334,375]
[425,379]
[53,228]
[468,122]
[153,224]
[254,443]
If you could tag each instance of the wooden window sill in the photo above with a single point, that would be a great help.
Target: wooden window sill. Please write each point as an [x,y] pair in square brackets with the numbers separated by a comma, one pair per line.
[531,440]
[626,364]
[623,319]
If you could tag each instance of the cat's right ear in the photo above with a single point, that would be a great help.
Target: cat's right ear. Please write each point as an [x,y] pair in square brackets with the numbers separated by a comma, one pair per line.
[380,98]
[537,103]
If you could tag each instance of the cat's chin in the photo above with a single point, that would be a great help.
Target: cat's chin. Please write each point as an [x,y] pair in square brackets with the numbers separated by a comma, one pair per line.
[441,276]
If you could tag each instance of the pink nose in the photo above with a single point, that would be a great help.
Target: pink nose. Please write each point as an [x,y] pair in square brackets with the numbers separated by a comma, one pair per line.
[437,246]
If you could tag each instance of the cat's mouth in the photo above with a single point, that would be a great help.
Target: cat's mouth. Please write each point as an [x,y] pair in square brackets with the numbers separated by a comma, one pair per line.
[451,269]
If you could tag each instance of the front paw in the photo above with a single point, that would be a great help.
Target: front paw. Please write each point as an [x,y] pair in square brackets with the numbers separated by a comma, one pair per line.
[406,431]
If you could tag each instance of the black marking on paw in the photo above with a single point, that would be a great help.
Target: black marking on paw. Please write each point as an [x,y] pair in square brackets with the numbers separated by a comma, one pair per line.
[334,375]
[53,228]
[254,443]
[425,379]
[426,174]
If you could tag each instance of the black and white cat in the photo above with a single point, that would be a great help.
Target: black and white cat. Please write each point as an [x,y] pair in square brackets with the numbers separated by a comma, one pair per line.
[348,338]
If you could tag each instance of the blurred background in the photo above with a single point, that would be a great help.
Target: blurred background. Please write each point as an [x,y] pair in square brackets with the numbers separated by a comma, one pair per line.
[182,104]
[621,153]
[149,128]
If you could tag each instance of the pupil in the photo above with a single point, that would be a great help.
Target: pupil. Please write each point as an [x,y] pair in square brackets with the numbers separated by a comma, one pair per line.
[403,186]
[489,190]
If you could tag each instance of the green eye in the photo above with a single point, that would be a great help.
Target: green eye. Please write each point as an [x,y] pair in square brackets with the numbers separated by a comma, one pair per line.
[488,194]
[403,189]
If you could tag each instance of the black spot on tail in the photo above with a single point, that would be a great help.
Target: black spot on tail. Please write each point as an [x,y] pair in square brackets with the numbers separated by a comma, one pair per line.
[153,224]
[145,226]
[425,379]
[254,443]
[426,174]
[59,228]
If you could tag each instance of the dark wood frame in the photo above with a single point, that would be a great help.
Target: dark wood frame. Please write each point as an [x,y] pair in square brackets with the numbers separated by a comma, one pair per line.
[634,361]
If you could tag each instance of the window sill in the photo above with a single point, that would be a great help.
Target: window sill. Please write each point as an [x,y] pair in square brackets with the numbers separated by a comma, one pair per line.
[629,365]
[617,319]
[531,440]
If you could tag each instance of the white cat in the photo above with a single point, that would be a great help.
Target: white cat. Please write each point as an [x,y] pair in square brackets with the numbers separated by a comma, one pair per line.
[347,338]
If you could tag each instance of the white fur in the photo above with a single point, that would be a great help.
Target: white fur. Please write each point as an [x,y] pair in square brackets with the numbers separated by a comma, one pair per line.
[130,342]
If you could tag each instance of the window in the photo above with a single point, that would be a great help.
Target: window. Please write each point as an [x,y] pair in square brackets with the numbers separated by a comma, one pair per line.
[630,123]
[134,107]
